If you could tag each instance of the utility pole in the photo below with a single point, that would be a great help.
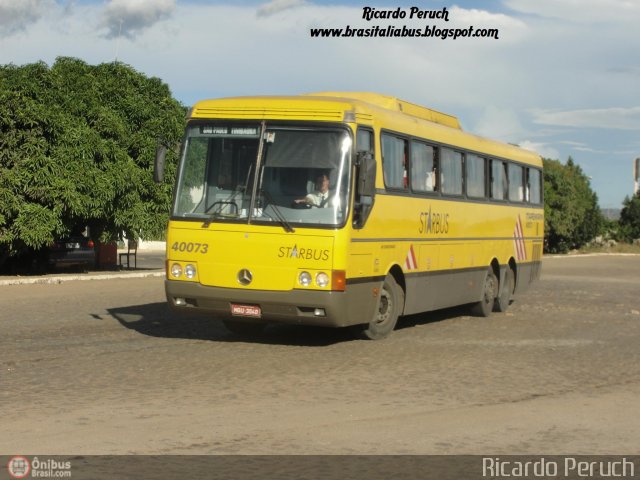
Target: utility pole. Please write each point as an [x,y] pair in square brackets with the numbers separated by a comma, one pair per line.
[636,174]
[118,41]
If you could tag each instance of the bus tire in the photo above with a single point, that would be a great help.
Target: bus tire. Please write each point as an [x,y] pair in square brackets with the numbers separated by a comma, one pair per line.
[504,299]
[386,316]
[244,329]
[484,307]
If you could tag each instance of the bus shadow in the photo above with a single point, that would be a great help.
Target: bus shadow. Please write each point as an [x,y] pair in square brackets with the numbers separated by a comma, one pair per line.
[435,316]
[157,320]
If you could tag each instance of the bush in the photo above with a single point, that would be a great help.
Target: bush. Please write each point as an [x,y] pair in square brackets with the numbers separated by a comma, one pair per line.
[572,214]
[630,219]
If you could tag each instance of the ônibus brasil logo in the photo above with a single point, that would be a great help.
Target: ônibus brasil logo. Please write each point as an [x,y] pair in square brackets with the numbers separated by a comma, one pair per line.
[19,467]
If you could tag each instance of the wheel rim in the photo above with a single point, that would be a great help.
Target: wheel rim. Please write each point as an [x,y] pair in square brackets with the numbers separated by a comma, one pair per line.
[489,289]
[385,308]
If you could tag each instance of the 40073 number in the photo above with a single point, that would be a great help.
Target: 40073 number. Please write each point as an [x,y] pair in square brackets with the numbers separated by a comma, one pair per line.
[190,247]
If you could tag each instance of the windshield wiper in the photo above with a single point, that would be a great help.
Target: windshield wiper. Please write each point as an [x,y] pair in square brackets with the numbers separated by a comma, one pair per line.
[221,204]
[279,216]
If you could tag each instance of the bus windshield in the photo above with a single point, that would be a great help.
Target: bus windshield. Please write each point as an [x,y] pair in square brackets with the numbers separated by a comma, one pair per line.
[301,179]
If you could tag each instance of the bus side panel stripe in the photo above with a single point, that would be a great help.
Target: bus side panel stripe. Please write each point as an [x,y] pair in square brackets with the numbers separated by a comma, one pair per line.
[519,242]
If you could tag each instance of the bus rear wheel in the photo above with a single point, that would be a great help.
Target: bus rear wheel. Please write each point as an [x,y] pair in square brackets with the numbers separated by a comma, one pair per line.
[489,291]
[504,299]
[386,316]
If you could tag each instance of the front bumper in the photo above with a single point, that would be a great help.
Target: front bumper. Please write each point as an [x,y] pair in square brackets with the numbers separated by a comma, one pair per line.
[353,306]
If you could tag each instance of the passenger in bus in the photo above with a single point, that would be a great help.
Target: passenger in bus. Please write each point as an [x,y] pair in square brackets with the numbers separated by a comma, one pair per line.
[430,181]
[320,196]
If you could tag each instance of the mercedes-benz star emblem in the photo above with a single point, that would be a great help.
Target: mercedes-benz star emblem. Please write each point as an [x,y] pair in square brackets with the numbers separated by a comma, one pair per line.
[245,276]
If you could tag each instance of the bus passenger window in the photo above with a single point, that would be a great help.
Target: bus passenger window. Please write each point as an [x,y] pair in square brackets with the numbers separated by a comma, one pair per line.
[535,192]
[498,180]
[475,176]
[516,183]
[451,171]
[423,175]
[393,161]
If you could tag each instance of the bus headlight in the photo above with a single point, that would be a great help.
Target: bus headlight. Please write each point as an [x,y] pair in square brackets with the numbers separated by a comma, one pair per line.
[176,270]
[322,279]
[190,271]
[304,279]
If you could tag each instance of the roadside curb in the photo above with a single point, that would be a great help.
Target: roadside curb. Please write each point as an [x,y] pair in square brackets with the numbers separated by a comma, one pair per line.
[79,277]
[586,255]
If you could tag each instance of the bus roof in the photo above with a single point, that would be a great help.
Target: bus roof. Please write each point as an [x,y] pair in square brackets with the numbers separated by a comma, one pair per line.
[365,108]
[396,105]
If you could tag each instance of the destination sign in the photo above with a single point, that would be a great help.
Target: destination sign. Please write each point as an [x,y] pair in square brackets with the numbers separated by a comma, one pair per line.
[229,131]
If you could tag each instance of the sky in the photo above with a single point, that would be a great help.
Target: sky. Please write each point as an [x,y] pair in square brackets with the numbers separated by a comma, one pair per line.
[562,78]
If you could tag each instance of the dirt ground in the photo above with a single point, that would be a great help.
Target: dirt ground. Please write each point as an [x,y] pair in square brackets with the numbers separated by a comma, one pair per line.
[103,367]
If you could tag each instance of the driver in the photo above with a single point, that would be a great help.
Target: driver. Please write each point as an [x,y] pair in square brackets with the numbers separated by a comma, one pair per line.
[320,196]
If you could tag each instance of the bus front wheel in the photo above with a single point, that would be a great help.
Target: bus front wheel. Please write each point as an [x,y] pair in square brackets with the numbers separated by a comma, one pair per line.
[386,316]
[489,291]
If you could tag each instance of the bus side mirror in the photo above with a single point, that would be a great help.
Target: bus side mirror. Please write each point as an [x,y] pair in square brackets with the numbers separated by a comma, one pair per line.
[158,166]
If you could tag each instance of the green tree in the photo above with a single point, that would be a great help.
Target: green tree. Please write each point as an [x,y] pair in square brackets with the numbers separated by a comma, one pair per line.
[630,218]
[77,144]
[572,214]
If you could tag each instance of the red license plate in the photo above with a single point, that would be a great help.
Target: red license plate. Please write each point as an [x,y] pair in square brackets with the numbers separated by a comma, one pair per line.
[246,310]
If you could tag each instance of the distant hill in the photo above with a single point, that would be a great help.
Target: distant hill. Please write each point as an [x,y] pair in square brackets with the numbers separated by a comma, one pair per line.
[611,213]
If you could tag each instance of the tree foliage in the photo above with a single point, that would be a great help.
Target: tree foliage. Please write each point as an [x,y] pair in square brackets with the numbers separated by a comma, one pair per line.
[77,144]
[630,219]
[572,214]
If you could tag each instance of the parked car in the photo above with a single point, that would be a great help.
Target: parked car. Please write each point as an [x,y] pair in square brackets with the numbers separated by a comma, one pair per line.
[73,251]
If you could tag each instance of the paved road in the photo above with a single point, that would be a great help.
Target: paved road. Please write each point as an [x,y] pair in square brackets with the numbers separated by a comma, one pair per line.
[103,367]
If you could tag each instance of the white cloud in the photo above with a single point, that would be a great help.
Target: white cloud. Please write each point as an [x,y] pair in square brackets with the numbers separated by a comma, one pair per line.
[130,17]
[608,118]
[510,27]
[582,11]
[504,124]
[579,146]
[17,15]
[499,123]
[542,149]
[277,6]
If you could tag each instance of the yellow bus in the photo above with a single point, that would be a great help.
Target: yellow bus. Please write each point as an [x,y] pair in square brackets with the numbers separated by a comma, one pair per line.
[346,209]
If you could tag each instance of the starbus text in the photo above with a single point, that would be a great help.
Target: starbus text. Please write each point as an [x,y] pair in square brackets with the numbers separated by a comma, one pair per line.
[433,222]
[303,253]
